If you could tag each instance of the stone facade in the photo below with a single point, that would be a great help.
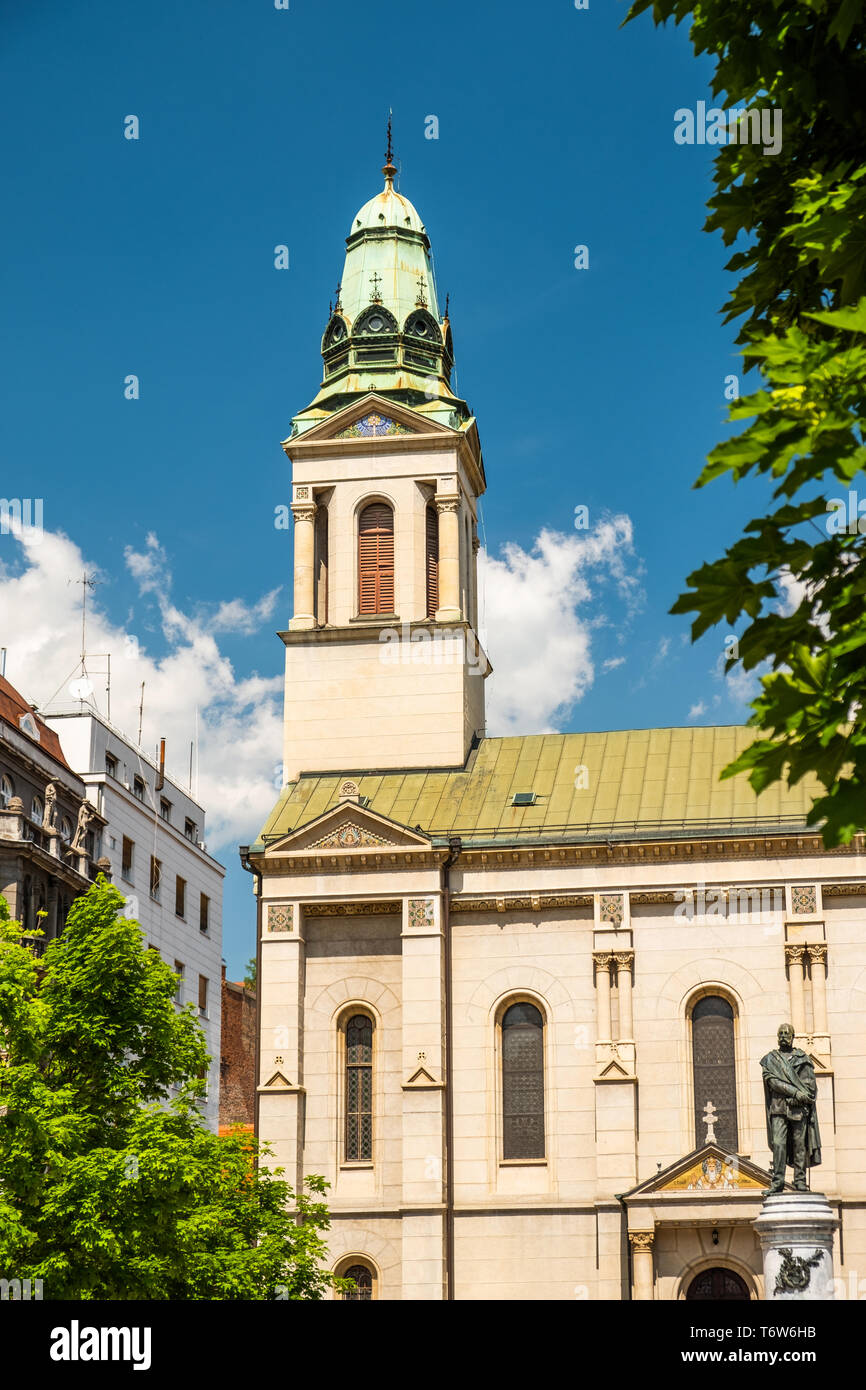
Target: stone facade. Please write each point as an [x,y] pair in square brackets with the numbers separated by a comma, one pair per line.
[514,992]
[42,868]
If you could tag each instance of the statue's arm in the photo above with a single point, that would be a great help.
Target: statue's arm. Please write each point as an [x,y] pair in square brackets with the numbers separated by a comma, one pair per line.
[775,1083]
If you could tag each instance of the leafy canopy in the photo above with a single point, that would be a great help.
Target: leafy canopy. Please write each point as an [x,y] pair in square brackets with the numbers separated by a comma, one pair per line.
[797,577]
[111,1186]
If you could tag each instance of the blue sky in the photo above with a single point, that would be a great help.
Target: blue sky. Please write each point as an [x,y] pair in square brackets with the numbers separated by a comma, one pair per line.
[258,127]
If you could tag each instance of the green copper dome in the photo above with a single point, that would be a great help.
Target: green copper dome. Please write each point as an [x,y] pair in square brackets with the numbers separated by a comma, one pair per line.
[386,333]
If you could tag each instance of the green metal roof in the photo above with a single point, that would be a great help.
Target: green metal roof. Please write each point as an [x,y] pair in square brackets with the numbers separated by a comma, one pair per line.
[638,780]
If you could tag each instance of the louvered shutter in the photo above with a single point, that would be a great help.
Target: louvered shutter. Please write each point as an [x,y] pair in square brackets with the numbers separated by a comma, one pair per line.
[376,559]
[432,562]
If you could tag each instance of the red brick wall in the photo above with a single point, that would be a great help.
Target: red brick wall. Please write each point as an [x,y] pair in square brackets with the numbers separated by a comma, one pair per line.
[238,1054]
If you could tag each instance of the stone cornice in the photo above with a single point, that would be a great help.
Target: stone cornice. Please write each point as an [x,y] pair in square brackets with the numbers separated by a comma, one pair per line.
[656,851]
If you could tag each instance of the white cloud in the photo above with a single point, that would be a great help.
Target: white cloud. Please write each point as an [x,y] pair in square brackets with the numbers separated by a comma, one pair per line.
[612,663]
[698,710]
[42,631]
[537,641]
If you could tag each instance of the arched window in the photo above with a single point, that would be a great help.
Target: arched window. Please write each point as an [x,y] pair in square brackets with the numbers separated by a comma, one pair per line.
[522,1082]
[432,560]
[363,1277]
[359,1089]
[376,559]
[7,791]
[321,566]
[714,1069]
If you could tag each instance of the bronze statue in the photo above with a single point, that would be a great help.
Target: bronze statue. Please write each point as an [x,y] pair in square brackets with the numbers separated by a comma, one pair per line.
[790,1089]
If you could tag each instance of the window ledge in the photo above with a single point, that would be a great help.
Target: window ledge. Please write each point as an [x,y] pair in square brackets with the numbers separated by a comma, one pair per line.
[371,619]
[351,1167]
[523,1162]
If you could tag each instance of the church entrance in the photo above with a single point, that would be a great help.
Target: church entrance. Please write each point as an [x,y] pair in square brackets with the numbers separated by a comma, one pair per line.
[718,1285]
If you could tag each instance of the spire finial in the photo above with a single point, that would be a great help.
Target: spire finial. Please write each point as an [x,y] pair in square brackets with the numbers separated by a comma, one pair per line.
[389,168]
[447,302]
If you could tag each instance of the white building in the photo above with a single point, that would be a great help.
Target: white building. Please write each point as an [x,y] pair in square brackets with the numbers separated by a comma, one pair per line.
[155,843]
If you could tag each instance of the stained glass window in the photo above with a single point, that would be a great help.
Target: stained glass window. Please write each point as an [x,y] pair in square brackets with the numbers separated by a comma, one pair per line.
[715,1074]
[523,1082]
[359,1089]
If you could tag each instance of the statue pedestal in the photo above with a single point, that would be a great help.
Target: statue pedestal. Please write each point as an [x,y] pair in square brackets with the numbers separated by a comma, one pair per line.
[796,1234]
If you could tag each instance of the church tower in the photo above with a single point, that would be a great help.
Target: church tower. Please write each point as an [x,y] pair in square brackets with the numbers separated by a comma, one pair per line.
[383,664]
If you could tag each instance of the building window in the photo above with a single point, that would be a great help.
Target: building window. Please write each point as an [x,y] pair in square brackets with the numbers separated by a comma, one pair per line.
[165,809]
[126,857]
[179,896]
[204,912]
[138,788]
[66,829]
[111,765]
[432,553]
[522,1082]
[190,829]
[363,1278]
[7,791]
[179,970]
[37,810]
[321,566]
[155,877]
[714,1070]
[359,1089]
[376,559]
[202,995]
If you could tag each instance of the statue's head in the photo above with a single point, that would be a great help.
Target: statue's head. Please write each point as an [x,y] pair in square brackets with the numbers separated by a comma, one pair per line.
[785,1035]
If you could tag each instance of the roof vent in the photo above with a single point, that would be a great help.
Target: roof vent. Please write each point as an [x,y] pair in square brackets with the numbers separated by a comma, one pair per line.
[523,799]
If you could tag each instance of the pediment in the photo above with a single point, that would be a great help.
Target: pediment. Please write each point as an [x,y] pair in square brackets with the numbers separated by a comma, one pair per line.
[373,417]
[707,1170]
[421,1080]
[348,827]
[278,1082]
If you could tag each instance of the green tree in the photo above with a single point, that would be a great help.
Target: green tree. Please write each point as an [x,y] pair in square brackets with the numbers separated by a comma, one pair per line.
[250,973]
[111,1186]
[796,579]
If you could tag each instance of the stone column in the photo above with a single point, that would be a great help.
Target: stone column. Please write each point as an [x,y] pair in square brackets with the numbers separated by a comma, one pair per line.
[305,548]
[642,1265]
[818,958]
[602,985]
[449,559]
[796,1234]
[624,961]
[794,957]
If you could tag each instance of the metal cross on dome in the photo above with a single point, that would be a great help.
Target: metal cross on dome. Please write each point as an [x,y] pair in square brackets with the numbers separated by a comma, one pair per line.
[709,1118]
[375,281]
[421,301]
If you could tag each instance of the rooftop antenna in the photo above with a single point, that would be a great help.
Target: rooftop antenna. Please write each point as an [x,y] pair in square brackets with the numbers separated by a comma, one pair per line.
[87,582]
[140,713]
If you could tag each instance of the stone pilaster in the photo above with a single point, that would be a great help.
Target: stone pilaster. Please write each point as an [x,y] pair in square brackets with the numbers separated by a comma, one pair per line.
[448,509]
[280,1080]
[423,1138]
